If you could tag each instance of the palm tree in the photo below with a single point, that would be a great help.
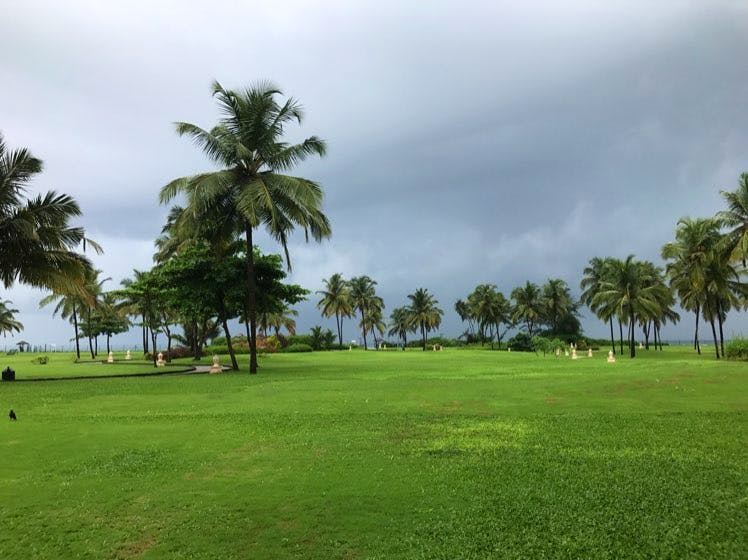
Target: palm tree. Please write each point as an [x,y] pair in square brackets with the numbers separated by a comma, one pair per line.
[423,312]
[490,309]
[557,302]
[8,323]
[594,274]
[68,307]
[736,217]
[400,324]
[462,309]
[283,318]
[528,306]
[36,242]
[690,253]
[250,186]
[363,297]
[336,301]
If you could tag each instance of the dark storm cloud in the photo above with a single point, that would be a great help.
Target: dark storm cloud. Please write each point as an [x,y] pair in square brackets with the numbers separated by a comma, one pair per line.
[486,143]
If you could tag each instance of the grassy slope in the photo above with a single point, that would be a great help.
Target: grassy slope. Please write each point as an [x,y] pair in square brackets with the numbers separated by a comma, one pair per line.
[457,454]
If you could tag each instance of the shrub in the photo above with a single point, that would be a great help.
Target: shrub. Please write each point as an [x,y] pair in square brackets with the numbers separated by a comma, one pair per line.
[737,349]
[298,347]
[40,360]
[300,339]
[521,342]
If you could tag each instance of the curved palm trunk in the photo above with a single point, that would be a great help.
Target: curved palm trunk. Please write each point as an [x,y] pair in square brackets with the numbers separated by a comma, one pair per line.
[620,334]
[75,326]
[612,338]
[251,301]
[229,344]
[90,340]
[721,334]
[154,340]
[423,334]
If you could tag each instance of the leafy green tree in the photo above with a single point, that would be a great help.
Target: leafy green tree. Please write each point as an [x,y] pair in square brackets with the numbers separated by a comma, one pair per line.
[423,312]
[336,301]
[250,188]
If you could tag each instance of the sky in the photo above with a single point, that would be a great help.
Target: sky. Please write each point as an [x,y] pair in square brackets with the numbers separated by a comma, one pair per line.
[472,142]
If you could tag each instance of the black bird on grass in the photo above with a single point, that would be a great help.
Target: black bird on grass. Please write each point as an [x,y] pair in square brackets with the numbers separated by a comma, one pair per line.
[12,415]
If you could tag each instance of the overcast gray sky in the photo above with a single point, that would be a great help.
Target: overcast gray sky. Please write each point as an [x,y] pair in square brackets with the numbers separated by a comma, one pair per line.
[469,141]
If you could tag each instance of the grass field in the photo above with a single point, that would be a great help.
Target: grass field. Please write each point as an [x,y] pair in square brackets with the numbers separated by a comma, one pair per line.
[351,455]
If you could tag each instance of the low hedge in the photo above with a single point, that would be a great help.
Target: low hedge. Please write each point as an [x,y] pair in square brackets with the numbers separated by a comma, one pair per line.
[737,349]
[298,347]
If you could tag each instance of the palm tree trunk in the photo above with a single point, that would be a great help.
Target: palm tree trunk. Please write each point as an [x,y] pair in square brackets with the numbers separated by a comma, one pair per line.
[108,338]
[612,338]
[363,322]
[721,334]
[647,326]
[423,336]
[145,337]
[696,344]
[714,334]
[90,341]
[405,340]
[620,334]
[75,326]
[340,332]
[633,346]
[229,345]
[154,340]
[251,301]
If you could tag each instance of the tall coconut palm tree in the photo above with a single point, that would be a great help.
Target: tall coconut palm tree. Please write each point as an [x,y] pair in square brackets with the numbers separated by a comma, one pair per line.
[69,307]
[594,274]
[400,324]
[557,302]
[363,297]
[37,244]
[690,255]
[490,309]
[423,312]
[528,306]
[336,301]
[736,217]
[246,143]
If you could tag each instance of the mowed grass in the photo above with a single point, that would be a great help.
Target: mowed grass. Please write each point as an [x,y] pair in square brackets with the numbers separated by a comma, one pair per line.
[63,365]
[453,454]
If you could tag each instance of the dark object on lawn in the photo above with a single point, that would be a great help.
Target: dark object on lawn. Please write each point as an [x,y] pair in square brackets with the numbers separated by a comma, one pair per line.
[9,374]
[12,415]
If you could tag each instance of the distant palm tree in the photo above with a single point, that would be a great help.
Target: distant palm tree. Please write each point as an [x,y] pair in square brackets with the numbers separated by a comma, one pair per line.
[336,301]
[557,302]
[68,307]
[365,300]
[691,253]
[594,274]
[423,312]
[528,306]
[490,309]
[250,186]
[400,324]
[277,320]
[736,217]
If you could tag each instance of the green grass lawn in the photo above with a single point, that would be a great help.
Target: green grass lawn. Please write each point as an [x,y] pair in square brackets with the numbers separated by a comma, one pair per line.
[352,455]
[63,364]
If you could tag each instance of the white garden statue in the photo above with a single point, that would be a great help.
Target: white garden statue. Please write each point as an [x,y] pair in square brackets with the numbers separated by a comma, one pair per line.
[216,367]
[128,355]
[574,353]
[589,352]
[611,357]
[160,362]
[110,358]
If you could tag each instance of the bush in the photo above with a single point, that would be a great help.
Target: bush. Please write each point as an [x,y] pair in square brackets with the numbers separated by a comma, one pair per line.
[300,339]
[212,349]
[40,360]
[521,342]
[737,349]
[298,347]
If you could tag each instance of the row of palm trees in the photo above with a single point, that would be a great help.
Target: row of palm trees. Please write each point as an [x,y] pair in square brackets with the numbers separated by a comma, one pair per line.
[705,266]
[344,299]
[530,306]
